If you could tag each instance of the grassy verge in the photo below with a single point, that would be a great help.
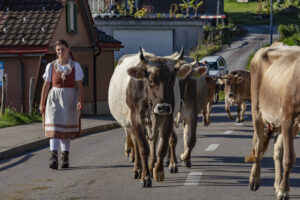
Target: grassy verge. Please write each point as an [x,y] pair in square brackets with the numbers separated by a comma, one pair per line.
[204,50]
[12,118]
[247,14]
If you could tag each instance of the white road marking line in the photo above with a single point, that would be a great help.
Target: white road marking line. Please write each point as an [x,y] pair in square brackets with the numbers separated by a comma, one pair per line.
[212,147]
[193,178]
[228,132]
[239,124]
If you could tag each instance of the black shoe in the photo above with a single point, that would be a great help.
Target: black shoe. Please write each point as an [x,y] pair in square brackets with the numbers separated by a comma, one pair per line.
[64,159]
[53,160]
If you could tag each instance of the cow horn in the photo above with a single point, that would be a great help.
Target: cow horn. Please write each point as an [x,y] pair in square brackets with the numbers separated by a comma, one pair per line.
[180,56]
[194,63]
[143,59]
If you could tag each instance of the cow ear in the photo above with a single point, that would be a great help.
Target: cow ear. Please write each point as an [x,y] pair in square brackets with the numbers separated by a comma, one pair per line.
[197,72]
[239,80]
[183,71]
[220,81]
[136,72]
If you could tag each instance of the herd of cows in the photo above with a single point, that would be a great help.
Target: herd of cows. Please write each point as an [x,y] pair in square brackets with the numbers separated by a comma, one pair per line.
[150,96]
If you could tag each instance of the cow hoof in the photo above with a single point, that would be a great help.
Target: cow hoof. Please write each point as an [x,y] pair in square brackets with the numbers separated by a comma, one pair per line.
[254,187]
[136,175]
[282,196]
[173,170]
[158,176]
[187,163]
[146,183]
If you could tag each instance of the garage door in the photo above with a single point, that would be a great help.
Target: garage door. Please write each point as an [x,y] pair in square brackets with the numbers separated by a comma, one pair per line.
[159,42]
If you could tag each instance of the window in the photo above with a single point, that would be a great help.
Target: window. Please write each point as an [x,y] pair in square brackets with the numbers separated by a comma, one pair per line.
[72,24]
[85,70]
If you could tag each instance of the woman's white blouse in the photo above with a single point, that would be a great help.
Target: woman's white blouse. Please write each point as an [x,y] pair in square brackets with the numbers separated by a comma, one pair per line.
[48,72]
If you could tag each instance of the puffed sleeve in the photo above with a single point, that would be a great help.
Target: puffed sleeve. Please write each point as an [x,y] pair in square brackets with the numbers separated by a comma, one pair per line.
[47,76]
[78,72]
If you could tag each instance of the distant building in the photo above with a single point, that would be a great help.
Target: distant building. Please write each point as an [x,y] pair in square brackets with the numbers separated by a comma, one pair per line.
[28,31]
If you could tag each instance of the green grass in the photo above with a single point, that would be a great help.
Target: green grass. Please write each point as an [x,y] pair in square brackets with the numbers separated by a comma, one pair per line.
[12,118]
[204,50]
[243,13]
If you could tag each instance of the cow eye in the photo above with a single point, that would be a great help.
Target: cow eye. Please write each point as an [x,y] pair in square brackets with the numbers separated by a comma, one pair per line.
[151,83]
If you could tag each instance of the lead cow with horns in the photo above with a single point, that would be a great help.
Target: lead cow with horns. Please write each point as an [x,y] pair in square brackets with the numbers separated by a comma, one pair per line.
[144,97]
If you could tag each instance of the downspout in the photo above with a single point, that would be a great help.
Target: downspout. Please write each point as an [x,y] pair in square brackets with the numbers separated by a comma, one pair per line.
[95,80]
[22,82]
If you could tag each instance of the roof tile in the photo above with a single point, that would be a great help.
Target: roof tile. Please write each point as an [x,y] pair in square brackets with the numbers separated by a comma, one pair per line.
[33,21]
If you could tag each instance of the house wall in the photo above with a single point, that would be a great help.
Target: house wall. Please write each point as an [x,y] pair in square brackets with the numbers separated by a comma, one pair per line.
[187,32]
[104,71]
[12,67]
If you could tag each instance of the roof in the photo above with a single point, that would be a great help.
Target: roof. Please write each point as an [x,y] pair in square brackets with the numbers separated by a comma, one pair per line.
[103,37]
[28,22]
[210,58]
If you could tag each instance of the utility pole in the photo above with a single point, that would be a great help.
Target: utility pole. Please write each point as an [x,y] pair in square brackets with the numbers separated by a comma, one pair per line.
[218,4]
[271,23]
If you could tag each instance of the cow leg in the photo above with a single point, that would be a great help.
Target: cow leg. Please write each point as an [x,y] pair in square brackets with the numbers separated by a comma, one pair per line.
[158,172]
[152,158]
[243,106]
[172,144]
[227,109]
[143,148]
[277,157]
[238,117]
[209,104]
[289,157]
[258,125]
[129,147]
[189,139]
[205,116]
[137,169]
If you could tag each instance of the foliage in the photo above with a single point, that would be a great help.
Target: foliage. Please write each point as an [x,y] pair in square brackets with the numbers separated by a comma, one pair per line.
[249,61]
[173,10]
[131,7]
[293,40]
[12,118]
[204,50]
[252,13]
[186,5]
[196,7]
[286,31]
[141,13]
[121,8]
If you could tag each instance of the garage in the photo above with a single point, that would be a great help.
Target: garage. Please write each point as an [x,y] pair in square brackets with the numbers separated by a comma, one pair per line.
[159,42]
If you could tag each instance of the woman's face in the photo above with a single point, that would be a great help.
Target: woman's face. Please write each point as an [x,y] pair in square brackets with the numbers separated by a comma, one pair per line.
[62,51]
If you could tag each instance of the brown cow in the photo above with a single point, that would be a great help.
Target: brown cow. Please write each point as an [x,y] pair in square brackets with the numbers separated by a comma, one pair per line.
[275,97]
[237,91]
[211,90]
[144,97]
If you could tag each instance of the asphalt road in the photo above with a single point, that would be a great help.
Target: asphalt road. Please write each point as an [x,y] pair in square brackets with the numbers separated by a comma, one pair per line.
[99,170]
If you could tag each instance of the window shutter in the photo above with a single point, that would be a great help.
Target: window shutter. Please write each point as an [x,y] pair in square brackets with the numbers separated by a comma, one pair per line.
[75,18]
[68,21]
[71,18]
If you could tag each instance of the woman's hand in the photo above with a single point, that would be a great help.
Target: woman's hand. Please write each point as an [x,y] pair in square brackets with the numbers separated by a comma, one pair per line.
[79,106]
[42,109]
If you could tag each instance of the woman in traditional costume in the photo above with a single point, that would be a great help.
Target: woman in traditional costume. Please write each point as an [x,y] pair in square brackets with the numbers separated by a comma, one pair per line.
[61,105]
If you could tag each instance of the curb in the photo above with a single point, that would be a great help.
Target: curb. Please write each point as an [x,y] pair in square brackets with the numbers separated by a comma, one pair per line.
[21,149]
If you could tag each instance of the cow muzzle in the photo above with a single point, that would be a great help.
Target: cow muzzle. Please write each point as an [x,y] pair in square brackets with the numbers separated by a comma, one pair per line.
[230,95]
[163,109]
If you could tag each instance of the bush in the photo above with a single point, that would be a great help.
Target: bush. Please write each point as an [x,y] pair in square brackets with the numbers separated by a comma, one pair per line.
[286,31]
[293,40]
